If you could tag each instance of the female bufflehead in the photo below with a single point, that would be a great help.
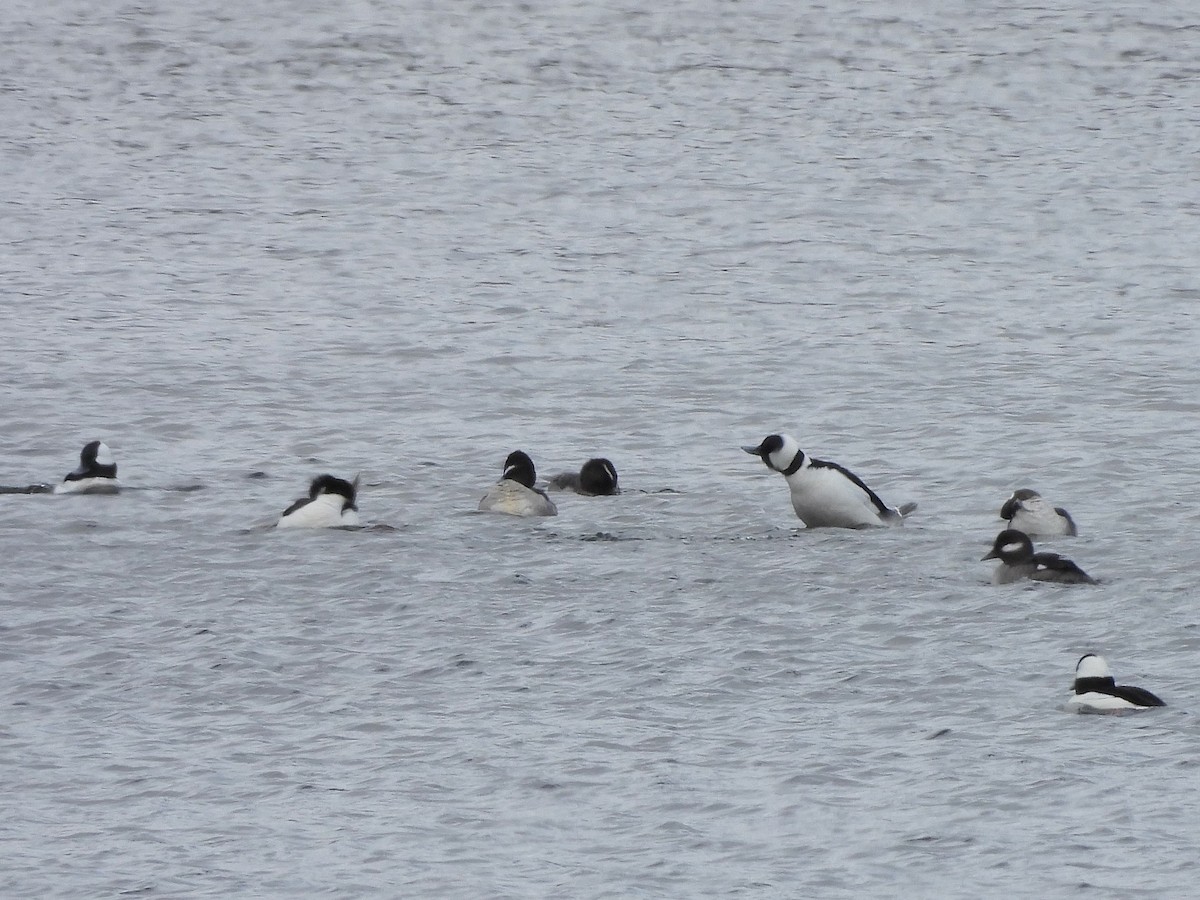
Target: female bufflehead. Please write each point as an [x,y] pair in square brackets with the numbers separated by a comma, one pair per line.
[597,478]
[514,493]
[97,472]
[1026,511]
[330,504]
[1014,549]
[1097,692]
[825,494]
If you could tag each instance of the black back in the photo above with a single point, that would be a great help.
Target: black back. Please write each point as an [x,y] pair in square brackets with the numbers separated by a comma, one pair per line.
[1135,695]
[1098,685]
[1052,567]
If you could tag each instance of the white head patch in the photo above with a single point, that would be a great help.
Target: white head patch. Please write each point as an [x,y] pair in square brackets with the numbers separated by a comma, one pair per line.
[1014,547]
[104,456]
[783,457]
[1092,666]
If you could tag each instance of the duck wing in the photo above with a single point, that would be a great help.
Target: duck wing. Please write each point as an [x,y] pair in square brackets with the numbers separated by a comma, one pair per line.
[303,501]
[1136,695]
[1052,567]
[885,512]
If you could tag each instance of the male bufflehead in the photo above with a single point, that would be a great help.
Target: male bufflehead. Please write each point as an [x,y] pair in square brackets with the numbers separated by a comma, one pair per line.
[1014,549]
[1096,691]
[825,494]
[97,472]
[1027,511]
[597,478]
[514,493]
[330,504]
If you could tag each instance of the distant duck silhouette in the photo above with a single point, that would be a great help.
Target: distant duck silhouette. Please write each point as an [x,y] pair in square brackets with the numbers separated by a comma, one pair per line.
[514,494]
[96,474]
[1014,549]
[825,494]
[1096,691]
[1027,511]
[331,503]
[597,478]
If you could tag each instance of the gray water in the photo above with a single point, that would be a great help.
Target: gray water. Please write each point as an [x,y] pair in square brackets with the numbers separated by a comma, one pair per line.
[951,246]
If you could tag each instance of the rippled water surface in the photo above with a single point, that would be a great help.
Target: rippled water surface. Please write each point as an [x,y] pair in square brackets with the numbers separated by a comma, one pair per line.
[244,243]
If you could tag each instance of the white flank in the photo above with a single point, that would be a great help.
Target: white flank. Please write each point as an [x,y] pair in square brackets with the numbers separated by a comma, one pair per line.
[323,512]
[89,486]
[825,498]
[1094,702]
